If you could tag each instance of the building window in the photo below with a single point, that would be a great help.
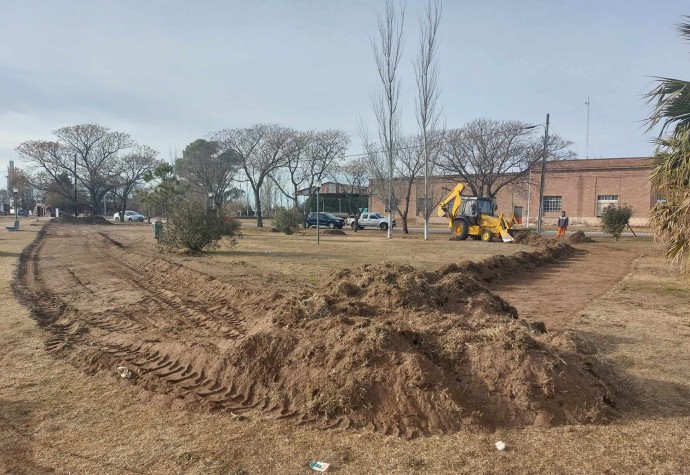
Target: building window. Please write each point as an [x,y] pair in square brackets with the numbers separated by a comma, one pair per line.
[604,201]
[420,206]
[552,203]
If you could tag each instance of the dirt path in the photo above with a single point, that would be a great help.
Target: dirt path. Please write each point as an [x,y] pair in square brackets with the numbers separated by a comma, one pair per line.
[555,294]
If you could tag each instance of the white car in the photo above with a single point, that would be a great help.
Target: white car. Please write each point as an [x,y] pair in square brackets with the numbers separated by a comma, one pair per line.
[130,216]
[371,220]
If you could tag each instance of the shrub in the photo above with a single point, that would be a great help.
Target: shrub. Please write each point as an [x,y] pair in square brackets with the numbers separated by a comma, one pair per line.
[193,226]
[287,220]
[615,219]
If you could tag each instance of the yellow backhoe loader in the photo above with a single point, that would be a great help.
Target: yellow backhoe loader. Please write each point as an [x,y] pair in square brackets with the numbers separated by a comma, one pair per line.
[472,216]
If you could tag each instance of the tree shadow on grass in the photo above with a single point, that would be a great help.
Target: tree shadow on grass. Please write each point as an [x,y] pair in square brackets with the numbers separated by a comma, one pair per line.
[641,397]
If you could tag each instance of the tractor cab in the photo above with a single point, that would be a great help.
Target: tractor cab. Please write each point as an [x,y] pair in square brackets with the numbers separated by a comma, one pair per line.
[472,207]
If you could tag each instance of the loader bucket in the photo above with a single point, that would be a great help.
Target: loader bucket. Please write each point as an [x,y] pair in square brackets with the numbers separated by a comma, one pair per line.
[505,235]
[504,227]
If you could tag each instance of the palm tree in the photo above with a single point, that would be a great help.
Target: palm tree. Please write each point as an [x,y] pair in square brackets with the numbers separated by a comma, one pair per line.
[671,173]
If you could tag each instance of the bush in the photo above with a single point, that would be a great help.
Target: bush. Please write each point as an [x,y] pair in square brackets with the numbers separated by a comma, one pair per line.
[193,226]
[615,219]
[287,220]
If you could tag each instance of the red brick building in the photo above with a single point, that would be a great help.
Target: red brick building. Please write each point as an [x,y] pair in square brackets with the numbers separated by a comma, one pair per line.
[581,188]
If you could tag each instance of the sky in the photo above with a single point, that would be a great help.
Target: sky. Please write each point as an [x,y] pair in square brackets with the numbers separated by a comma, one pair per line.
[168,72]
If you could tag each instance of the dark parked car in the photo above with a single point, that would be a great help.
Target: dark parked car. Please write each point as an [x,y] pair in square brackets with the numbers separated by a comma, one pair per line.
[22,212]
[325,219]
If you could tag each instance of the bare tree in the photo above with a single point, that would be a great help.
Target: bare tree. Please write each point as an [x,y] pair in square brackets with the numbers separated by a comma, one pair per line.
[310,158]
[134,168]
[355,177]
[208,169]
[376,163]
[89,152]
[296,155]
[426,75]
[489,155]
[50,166]
[325,149]
[413,159]
[387,53]
[261,150]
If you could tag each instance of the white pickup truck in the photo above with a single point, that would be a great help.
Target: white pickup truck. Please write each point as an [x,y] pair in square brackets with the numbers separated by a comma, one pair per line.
[370,220]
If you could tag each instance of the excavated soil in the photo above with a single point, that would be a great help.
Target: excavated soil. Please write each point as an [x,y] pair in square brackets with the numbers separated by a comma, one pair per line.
[92,220]
[579,237]
[384,347]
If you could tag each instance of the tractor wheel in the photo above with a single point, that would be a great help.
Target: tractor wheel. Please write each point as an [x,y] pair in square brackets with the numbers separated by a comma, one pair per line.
[487,235]
[461,229]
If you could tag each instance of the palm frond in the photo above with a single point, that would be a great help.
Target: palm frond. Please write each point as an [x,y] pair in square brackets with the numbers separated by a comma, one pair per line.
[684,28]
[672,161]
[671,104]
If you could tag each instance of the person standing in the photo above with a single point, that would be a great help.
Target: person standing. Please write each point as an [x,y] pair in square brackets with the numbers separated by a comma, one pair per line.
[562,225]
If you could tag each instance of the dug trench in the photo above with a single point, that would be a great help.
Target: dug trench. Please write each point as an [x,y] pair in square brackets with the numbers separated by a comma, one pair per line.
[386,348]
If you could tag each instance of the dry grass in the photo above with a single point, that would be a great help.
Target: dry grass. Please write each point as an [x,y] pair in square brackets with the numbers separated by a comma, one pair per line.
[56,419]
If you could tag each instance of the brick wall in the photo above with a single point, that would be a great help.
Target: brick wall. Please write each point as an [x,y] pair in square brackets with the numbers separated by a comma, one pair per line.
[577,182]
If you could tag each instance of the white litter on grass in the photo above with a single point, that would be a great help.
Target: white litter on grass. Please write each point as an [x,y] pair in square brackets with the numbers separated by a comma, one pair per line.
[500,445]
[123,372]
[319,466]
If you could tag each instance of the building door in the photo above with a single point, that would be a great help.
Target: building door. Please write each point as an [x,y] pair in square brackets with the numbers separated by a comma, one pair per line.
[517,211]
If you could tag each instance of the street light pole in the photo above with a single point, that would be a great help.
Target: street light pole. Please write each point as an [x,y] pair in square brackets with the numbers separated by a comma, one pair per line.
[529,195]
[318,230]
[76,204]
[543,173]
[16,210]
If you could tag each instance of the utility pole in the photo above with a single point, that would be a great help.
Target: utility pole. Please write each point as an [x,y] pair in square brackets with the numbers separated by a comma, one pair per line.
[587,141]
[543,173]
[76,205]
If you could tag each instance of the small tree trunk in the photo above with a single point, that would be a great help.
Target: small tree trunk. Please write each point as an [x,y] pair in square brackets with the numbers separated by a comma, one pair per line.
[257,206]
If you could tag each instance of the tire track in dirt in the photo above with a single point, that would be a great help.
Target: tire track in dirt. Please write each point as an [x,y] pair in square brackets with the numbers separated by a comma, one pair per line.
[102,340]
[196,313]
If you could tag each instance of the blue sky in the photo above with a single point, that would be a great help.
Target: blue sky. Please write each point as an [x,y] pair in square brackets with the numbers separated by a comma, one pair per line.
[169,72]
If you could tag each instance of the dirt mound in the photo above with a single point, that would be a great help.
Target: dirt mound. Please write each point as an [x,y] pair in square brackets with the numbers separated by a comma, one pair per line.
[410,352]
[579,237]
[384,347]
[85,220]
[523,236]
[500,267]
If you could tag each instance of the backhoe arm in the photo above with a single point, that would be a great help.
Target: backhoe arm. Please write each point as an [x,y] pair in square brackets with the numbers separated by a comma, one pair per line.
[448,206]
